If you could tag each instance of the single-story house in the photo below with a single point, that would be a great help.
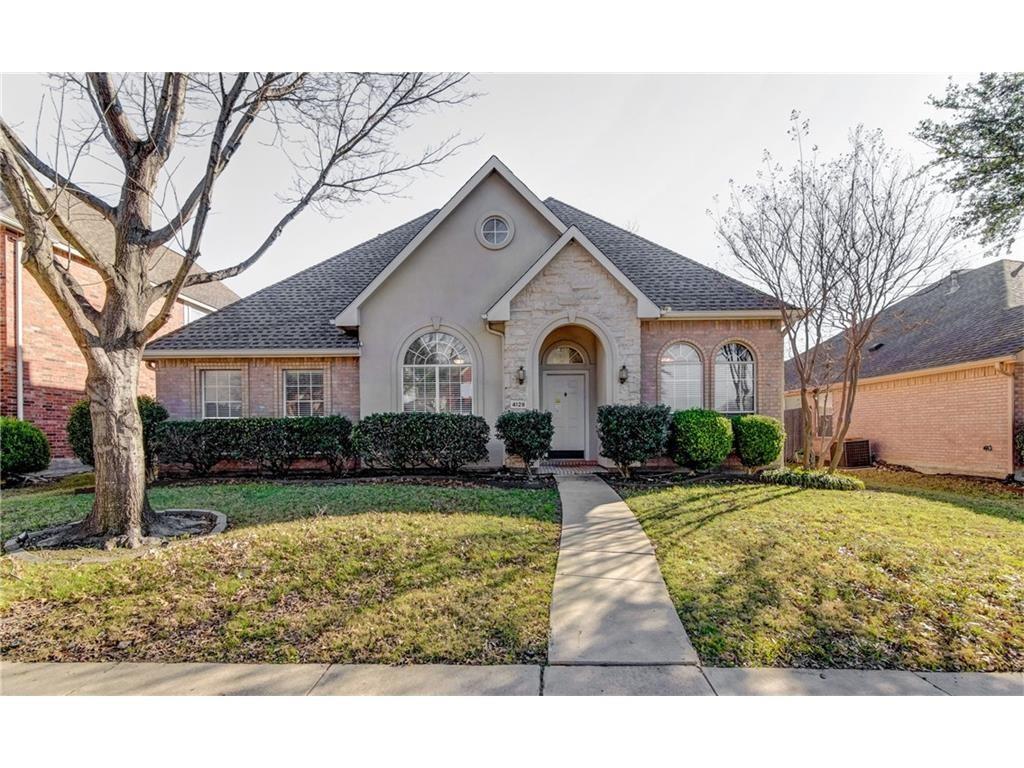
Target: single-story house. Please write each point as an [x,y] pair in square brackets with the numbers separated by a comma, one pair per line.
[942,379]
[42,373]
[497,301]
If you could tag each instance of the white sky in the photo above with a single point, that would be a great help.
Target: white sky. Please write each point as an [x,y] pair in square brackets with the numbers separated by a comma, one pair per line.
[648,152]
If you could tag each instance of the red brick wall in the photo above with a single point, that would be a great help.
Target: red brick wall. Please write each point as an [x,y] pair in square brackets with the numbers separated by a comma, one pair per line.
[941,422]
[763,337]
[178,383]
[54,370]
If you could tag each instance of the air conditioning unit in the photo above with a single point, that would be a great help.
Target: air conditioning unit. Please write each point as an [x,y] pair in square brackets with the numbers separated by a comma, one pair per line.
[856,453]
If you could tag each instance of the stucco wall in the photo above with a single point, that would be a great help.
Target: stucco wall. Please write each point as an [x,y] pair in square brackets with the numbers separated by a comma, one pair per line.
[178,383]
[763,337]
[451,281]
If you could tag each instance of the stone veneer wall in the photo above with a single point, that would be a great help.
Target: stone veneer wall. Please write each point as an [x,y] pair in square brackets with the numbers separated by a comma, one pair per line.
[178,383]
[763,337]
[576,288]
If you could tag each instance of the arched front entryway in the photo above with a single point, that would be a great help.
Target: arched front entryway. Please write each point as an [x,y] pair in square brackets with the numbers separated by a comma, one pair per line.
[573,363]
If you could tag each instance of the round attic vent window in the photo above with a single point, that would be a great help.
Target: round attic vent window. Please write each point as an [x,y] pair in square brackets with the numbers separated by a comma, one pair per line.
[495,231]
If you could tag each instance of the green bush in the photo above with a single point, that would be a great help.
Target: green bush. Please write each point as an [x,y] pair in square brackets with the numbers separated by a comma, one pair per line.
[700,439]
[632,434]
[1018,442]
[79,428]
[759,439]
[197,444]
[527,434]
[403,441]
[23,447]
[811,478]
[273,445]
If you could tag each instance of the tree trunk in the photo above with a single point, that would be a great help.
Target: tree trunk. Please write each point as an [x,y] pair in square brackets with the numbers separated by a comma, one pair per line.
[807,417]
[121,507]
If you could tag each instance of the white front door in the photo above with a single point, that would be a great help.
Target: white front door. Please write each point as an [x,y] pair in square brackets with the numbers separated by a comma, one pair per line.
[565,398]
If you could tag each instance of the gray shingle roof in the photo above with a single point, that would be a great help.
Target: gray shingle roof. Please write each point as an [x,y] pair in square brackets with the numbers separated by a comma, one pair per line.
[299,311]
[983,318]
[666,277]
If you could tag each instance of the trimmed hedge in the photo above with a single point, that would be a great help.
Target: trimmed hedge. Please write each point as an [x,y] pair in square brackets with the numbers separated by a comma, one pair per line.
[1018,442]
[272,444]
[811,478]
[699,439]
[79,428]
[401,441]
[527,434]
[758,439]
[23,447]
[632,434]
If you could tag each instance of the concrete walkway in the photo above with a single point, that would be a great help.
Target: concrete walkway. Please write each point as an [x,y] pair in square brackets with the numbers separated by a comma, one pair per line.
[609,604]
[124,679]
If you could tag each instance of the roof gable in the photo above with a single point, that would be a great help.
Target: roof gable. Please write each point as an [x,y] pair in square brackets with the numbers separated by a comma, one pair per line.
[349,315]
[501,310]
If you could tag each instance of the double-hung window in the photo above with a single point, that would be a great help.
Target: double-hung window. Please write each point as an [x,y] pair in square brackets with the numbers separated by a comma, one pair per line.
[222,394]
[304,393]
[437,375]
[734,379]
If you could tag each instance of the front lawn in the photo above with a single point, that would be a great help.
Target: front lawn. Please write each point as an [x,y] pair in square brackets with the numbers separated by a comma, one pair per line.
[914,573]
[334,573]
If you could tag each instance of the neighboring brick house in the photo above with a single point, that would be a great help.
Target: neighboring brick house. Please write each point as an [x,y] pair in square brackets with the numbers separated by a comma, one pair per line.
[36,341]
[942,380]
[497,301]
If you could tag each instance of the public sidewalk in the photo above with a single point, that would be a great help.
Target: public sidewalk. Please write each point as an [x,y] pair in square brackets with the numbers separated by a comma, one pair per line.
[128,679]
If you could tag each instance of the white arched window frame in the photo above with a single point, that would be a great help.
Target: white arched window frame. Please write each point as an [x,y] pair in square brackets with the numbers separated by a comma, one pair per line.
[437,375]
[681,377]
[735,379]
[565,353]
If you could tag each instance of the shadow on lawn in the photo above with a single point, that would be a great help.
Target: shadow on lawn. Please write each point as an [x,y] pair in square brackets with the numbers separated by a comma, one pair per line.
[698,510]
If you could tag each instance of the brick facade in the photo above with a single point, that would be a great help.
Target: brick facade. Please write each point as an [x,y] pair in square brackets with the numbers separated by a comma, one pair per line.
[762,337]
[178,383]
[955,422]
[54,370]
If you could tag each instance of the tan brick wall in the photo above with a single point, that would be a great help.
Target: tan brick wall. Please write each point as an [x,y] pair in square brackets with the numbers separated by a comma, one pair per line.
[941,422]
[54,370]
[1018,390]
[573,284]
[762,337]
[178,383]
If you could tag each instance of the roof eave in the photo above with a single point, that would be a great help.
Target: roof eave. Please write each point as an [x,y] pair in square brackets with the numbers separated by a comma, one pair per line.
[166,354]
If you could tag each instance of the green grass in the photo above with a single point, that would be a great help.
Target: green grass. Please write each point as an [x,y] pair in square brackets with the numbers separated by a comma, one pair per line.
[342,573]
[914,573]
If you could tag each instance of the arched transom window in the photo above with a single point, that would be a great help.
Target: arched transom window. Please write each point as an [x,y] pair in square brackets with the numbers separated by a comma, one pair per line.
[681,378]
[734,379]
[437,375]
[565,354]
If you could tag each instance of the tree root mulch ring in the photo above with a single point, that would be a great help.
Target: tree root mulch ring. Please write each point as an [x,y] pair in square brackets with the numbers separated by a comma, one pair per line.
[168,525]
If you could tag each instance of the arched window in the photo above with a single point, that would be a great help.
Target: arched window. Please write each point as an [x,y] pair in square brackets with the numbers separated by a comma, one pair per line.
[565,354]
[437,375]
[681,378]
[734,379]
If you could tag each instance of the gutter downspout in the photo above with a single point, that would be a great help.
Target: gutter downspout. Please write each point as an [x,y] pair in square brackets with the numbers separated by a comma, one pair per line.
[19,354]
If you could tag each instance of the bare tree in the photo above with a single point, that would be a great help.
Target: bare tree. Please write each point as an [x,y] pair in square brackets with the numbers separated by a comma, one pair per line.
[781,231]
[895,229]
[338,131]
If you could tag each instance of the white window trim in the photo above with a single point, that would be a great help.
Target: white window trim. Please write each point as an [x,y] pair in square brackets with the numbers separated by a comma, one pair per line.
[284,388]
[700,368]
[480,230]
[470,353]
[202,393]
[714,384]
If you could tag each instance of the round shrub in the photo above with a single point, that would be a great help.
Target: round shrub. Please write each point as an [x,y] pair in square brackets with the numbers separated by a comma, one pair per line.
[812,478]
[79,428]
[23,447]
[527,434]
[632,434]
[700,439]
[759,439]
